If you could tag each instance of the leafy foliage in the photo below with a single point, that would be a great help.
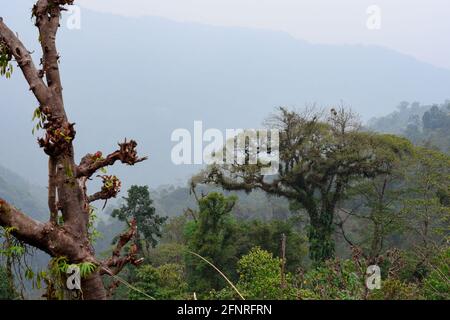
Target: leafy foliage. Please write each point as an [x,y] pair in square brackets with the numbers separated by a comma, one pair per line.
[394,210]
[437,283]
[335,279]
[138,206]
[6,292]
[94,234]
[6,68]
[165,282]
[260,277]
[394,289]
[61,264]
[320,157]
[211,235]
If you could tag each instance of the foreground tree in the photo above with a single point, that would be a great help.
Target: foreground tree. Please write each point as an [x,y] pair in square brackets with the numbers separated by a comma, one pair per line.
[66,234]
[320,157]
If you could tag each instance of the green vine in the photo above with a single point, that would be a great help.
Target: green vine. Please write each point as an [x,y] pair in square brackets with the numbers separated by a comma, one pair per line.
[93,233]
[41,117]
[14,252]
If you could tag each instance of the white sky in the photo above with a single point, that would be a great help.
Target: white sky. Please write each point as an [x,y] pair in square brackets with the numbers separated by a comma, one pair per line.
[420,28]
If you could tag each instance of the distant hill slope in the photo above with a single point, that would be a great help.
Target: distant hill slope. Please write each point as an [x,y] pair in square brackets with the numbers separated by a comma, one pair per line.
[173,201]
[145,77]
[426,125]
[29,198]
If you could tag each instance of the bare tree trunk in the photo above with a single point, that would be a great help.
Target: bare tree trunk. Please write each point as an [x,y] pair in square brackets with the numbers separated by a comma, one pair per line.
[66,233]
[93,288]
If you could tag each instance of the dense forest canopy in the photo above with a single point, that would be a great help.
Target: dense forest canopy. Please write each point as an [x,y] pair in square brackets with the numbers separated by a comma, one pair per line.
[396,218]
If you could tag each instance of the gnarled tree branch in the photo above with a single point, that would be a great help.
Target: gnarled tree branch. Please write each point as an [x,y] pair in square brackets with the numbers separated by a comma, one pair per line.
[23,58]
[126,154]
[116,263]
[54,240]
[110,189]
[25,228]
[47,14]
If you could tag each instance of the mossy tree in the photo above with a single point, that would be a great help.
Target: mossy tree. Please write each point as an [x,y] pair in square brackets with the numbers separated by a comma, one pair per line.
[320,157]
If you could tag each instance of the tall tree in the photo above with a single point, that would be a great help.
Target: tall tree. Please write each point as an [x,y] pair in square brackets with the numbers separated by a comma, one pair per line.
[138,207]
[320,156]
[426,207]
[375,204]
[66,233]
[212,235]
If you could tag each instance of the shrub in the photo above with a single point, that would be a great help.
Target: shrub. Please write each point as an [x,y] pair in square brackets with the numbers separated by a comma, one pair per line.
[394,289]
[332,280]
[259,279]
[163,283]
[437,283]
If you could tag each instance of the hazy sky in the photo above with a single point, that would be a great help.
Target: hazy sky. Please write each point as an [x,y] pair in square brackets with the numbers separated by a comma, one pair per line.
[420,28]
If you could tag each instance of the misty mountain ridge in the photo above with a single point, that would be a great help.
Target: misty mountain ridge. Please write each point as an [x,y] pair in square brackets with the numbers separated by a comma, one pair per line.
[169,74]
